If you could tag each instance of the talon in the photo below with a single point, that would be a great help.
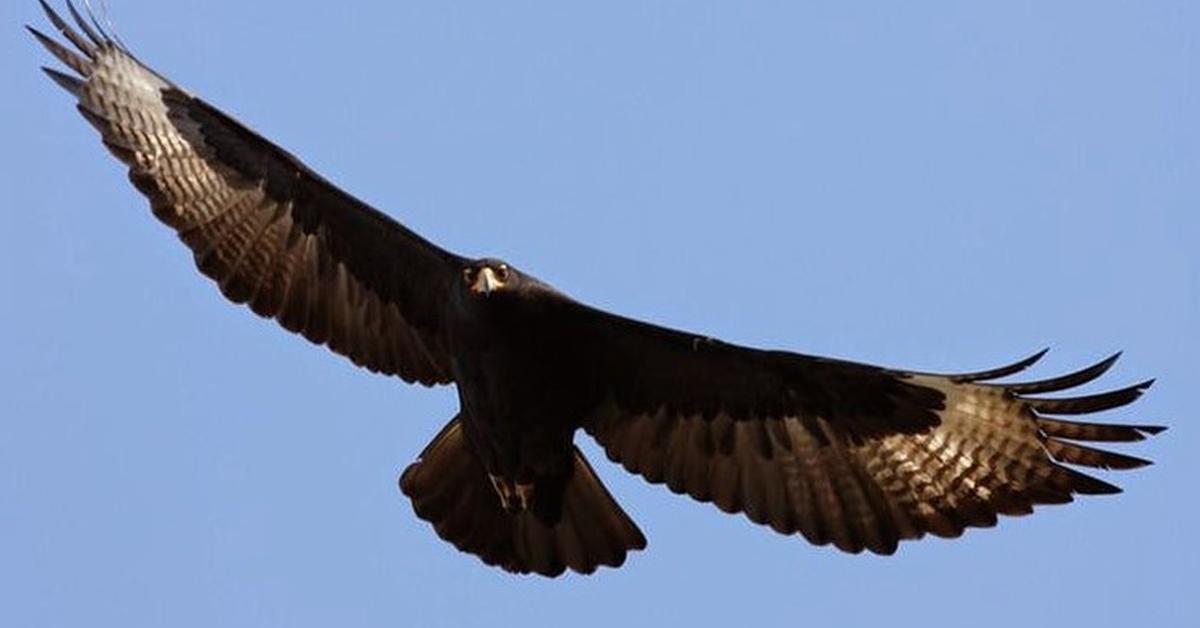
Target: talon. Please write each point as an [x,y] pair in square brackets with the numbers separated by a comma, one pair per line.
[504,490]
[525,495]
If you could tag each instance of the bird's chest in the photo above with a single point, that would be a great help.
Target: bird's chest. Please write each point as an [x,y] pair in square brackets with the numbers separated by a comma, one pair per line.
[515,371]
[509,383]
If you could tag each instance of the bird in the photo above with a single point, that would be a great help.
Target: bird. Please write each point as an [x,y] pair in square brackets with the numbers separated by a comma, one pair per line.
[837,452]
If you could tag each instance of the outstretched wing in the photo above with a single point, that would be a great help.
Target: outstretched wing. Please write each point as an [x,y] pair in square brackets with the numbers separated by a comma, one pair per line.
[843,453]
[268,230]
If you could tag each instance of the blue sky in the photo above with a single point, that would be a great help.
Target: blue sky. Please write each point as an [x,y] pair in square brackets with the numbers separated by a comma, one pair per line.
[944,186]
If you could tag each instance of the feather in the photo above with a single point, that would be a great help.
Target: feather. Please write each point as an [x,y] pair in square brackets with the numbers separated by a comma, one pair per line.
[1096,431]
[1071,380]
[61,25]
[1091,457]
[1089,403]
[65,81]
[1003,371]
[62,53]
[93,35]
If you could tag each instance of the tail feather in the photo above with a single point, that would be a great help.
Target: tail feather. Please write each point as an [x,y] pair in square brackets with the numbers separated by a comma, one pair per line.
[450,489]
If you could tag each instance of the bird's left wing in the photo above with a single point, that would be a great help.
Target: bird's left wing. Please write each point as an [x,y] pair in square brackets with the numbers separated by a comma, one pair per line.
[844,453]
[271,232]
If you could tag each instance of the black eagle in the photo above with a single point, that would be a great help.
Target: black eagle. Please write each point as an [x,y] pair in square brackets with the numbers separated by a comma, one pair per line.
[850,454]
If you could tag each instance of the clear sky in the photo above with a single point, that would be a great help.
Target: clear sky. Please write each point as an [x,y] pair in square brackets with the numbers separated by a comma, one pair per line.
[936,185]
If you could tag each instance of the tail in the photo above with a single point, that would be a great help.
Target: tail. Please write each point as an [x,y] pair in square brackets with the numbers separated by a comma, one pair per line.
[450,489]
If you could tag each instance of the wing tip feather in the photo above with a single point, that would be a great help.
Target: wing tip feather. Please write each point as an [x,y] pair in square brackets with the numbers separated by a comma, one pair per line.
[68,57]
[1088,404]
[1064,382]
[1084,484]
[72,84]
[97,35]
[1002,371]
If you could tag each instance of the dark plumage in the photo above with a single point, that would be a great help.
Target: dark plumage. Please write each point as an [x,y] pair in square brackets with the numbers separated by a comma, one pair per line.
[844,453]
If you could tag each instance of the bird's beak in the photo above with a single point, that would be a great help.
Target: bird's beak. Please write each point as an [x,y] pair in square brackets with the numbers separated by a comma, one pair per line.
[486,282]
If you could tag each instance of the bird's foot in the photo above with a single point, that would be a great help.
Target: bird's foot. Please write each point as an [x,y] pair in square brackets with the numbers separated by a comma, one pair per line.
[513,497]
[504,489]
[525,495]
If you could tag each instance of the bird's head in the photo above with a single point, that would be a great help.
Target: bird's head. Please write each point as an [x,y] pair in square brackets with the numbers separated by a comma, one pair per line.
[489,276]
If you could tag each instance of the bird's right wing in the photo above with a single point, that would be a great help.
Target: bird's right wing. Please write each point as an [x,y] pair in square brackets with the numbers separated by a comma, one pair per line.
[271,232]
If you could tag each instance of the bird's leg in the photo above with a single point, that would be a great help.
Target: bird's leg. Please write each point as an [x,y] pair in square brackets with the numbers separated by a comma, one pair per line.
[505,490]
[525,495]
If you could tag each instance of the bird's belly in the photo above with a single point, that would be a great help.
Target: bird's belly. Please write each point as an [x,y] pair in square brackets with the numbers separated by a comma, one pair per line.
[519,417]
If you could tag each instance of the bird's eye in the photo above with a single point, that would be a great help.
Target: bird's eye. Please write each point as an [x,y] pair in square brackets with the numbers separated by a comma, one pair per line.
[467,274]
[502,272]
